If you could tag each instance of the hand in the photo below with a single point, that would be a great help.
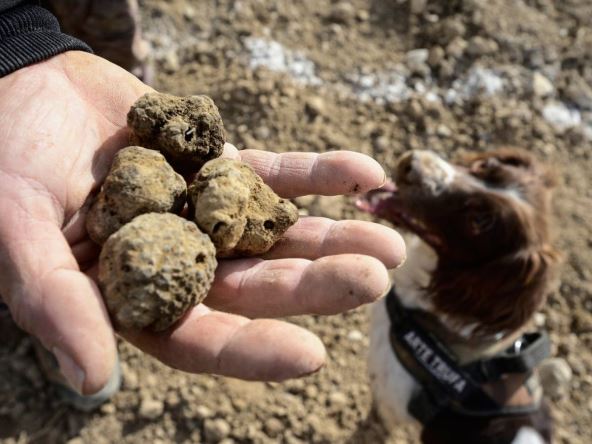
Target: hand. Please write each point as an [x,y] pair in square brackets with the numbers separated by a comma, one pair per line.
[61,122]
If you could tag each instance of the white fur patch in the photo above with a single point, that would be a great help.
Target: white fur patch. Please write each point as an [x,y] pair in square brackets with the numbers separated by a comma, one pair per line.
[528,435]
[437,173]
[390,382]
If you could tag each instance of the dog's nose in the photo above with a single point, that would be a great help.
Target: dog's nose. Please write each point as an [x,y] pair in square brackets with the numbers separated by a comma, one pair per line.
[425,169]
[409,169]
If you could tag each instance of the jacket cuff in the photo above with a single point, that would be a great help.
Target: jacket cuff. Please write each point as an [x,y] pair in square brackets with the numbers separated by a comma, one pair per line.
[30,34]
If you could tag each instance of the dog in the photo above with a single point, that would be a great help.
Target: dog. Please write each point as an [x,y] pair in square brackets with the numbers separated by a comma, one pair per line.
[448,345]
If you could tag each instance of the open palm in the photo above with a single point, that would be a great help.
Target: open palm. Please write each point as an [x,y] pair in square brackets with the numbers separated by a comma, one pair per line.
[61,122]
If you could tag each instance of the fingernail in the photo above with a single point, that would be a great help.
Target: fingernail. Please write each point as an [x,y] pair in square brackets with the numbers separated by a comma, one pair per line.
[384,179]
[73,374]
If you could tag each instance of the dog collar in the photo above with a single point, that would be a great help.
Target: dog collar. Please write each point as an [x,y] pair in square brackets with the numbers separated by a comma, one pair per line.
[447,385]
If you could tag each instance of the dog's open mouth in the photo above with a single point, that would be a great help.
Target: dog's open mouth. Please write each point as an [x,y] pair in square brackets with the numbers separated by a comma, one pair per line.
[388,203]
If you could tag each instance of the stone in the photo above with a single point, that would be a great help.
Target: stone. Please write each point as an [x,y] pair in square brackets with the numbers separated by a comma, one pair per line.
[417,6]
[479,46]
[342,12]
[578,91]
[555,375]
[215,430]
[541,86]
[314,106]
[456,48]
[151,409]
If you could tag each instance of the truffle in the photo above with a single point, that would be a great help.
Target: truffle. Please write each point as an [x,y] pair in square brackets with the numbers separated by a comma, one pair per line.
[139,181]
[154,269]
[187,130]
[241,214]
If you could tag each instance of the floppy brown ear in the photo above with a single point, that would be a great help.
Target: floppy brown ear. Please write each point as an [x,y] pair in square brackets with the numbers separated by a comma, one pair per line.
[501,295]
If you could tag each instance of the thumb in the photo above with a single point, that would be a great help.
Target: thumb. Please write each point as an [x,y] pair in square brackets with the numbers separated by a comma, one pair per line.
[50,298]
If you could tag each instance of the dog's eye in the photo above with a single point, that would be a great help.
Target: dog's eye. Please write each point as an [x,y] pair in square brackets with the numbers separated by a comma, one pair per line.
[480,222]
[485,165]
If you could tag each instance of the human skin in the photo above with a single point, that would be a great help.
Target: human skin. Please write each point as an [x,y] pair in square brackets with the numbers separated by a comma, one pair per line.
[61,122]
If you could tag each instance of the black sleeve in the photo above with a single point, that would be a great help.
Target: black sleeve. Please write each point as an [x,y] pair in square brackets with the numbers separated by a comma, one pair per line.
[30,34]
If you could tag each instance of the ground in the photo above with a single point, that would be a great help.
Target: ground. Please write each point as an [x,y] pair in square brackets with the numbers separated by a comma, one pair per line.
[379,77]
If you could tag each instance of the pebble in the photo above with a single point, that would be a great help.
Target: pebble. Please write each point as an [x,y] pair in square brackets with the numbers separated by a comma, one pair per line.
[579,92]
[456,48]
[555,374]
[315,106]
[436,56]
[417,6]
[151,408]
[480,46]
[171,62]
[343,12]
[541,86]
[560,116]
[419,55]
[215,430]
[443,131]
[202,412]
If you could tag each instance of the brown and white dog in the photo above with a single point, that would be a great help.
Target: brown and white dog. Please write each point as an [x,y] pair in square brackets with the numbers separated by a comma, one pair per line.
[479,265]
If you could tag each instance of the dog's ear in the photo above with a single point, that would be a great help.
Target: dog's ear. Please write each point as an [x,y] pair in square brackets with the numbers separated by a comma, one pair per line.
[498,296]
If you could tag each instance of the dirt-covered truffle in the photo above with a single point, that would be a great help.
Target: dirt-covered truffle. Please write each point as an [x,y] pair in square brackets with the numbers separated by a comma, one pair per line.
[154,269]
[139,181]
[241,214]
[187,130]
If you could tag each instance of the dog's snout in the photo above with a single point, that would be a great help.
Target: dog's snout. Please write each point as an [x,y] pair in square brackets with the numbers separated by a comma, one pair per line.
[425,169]
[405,169]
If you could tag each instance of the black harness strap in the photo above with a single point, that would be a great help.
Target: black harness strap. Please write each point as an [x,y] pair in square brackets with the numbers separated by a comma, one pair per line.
[445,384]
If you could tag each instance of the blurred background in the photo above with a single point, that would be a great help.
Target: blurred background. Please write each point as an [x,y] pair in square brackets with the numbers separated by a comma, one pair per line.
[379,77]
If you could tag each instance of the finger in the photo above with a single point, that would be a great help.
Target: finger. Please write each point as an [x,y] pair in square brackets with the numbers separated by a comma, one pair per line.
[285,287]
[314,237]
[230,345]
[298,174]
[50,298]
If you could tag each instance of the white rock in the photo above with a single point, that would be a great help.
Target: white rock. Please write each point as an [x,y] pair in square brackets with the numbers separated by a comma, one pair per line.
[419,55]
[555,374]
[151,408]
[560,116]
[541,86]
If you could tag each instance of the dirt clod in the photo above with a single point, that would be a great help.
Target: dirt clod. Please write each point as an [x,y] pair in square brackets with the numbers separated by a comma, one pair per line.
[187,130]
[154,269]
[140,181]
[241,214]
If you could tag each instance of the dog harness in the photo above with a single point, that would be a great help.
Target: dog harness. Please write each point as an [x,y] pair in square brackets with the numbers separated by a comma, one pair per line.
[447,385]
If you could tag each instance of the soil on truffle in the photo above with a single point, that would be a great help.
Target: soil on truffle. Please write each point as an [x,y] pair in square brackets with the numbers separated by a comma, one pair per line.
[206,47]
[154,269]
[241,214]
[140,181]
[187,130]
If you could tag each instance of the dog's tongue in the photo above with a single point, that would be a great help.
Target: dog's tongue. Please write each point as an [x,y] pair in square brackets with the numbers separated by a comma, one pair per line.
[381,202]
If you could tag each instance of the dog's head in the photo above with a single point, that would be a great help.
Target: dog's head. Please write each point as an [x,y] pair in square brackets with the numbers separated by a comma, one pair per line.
[487,218]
